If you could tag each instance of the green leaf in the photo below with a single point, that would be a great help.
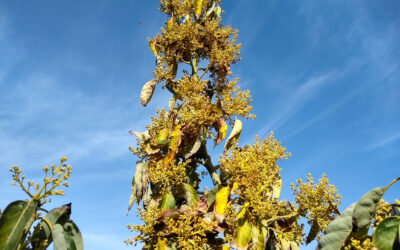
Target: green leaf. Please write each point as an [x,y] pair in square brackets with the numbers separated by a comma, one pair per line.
[365,209]
[190,195]
[199,141]
[62,239]
[167,202]
[386,233]
[396,210]
[147,92]
[337,231]
[74,233]
[314,230]
[44,228]
[234,136]
[243,234]
[211,195]
[14,223]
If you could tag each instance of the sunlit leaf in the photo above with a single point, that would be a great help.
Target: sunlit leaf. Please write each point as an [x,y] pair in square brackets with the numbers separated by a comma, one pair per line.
[170,23]
[190,195]
[145,136]
[242,210]
[276,189]
[234,136]
[257,238]
[386,234]
[162,136]
[243,234]
[221,129]
[152,47]
[167,202]
[221,200]
[175,136]
[197,8]
[150,149]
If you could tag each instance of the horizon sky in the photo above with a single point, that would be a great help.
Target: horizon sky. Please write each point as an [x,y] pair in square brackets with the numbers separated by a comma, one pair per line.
[324,77]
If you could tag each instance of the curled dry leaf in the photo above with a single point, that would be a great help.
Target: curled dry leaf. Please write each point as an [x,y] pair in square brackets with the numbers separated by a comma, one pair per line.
[234,136]
[147,92]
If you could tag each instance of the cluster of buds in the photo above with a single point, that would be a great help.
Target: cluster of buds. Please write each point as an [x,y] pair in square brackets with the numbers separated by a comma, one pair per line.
[55,176]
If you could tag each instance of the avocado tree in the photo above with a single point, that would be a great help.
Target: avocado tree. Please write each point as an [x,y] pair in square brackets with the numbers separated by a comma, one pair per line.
[194,53]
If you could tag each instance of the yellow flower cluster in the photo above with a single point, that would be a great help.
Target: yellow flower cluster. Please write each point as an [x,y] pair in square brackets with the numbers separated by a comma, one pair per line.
[234,101]
[383,210]
[196,109]
[317,202]
[254,169]
[58,177]
[166,177]
[182,229]
[356,244]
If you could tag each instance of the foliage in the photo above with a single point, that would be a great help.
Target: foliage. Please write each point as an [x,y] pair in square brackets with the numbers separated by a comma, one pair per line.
[54,226]
[370,214]
[243,208]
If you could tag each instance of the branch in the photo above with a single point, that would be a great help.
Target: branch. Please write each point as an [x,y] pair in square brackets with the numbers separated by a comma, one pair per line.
[212,170]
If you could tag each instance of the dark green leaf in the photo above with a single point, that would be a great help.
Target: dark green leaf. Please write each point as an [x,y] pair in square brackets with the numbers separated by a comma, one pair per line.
[62,239]
[43,229]
[314,230]
[396,210]
[75,234]
[14,222]
[211,195]
[337,231]
[386,233]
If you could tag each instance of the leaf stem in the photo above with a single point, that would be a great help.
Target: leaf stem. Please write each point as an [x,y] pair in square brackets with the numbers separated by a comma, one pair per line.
[391,183]
[276,218]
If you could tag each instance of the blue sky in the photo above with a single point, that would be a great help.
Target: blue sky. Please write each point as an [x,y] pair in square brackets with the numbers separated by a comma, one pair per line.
[324,76]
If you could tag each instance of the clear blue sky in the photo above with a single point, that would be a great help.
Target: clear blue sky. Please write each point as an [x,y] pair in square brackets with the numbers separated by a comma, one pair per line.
[324,76]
